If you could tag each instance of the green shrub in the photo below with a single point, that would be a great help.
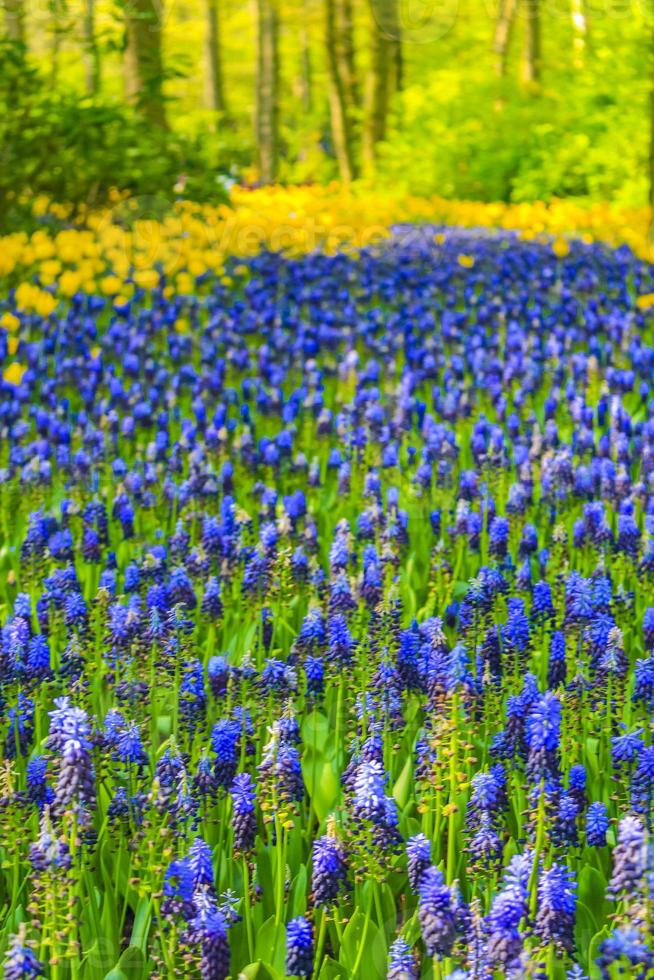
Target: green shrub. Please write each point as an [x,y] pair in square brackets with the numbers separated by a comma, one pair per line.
[75,150]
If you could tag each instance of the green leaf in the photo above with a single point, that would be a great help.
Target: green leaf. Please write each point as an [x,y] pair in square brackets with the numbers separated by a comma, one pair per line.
[94,965]
[265,878]
[591,757]
[388,906]
[403,784]
[131,965]
[315,731]
[593,948]
[592,889]
[326,791]
[270,943]
[297,902]
[251,971]
[351,938]
[459,589]
[164,725]
[411,930]
[330,970]
[109,920]
[141,927]
[361,931]
[259,971]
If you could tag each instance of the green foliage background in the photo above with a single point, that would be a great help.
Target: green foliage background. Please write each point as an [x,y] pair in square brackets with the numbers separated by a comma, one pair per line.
[456,129]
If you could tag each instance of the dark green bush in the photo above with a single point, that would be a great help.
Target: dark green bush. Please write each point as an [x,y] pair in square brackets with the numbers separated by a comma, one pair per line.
[75,150]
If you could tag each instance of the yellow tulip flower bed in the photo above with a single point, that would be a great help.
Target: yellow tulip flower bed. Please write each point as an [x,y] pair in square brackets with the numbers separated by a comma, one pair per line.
[133,243]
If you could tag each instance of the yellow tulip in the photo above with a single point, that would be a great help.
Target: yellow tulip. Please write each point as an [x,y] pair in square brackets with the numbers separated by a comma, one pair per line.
[13,374]
[10,322]
[147,278]
[7,263]
[44,304]
[70,283]
[185,284]
[193,238]
[560,247]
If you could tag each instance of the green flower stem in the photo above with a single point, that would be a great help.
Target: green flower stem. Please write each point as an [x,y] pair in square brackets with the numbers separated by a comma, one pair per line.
[247,912]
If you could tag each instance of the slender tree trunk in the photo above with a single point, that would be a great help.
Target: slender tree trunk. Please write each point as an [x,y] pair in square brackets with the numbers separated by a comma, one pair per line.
[93,66]
[503,34]
[342,87]
[143,59]
[345,51]
[267,110]
[399,60]
[15,20]
[531,68]
[382,80]
[307,74]
[214,88]
[580,31]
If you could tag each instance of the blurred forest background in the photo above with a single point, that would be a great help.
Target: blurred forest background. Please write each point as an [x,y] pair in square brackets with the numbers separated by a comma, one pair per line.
[531,99]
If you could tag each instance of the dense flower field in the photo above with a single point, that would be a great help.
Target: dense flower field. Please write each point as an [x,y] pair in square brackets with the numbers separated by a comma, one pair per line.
[327,589]
[132,243]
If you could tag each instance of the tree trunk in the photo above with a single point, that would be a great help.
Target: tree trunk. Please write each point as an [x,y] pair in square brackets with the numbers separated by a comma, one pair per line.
[503,33]
[214,90]
[143,59]
[345,51]
[399,60]
[267,111]
[382,78]
[15,20]
[342,85]
[531,68]
[92,55]
[306,79]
